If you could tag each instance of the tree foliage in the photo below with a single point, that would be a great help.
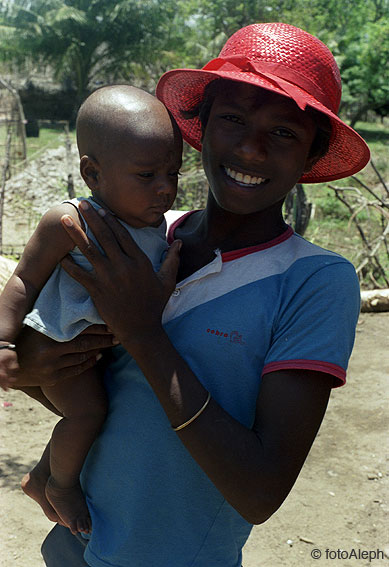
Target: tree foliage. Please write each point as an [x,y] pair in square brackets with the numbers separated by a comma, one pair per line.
[357,32]
[85,41]
[82,40]
[365,71]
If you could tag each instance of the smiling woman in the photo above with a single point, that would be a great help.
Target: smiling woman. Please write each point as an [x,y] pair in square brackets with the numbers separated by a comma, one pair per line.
[228,354]
[255,134]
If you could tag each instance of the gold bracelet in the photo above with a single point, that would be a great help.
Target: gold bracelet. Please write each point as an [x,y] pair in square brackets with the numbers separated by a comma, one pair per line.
[8,346]
[196,415]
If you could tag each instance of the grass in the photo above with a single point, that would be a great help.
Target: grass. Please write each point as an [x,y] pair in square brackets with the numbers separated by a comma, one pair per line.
[48,138]
[52,137]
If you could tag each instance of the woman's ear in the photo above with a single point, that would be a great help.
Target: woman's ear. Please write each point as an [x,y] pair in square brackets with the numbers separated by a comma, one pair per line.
[90,172]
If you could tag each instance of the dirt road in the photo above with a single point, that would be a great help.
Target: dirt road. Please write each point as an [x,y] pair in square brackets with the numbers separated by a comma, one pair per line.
[338,507]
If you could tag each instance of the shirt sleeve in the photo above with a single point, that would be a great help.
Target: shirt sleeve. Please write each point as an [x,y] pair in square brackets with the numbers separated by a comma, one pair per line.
[315,328]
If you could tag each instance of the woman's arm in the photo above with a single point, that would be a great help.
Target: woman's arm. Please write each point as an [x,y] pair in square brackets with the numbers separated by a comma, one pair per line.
[44,361]
[253,468]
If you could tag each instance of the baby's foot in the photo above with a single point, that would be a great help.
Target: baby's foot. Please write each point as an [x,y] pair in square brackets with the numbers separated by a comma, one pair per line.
[34,485]
[70,505]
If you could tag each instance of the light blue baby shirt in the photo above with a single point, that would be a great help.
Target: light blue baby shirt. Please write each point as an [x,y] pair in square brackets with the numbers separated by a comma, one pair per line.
[64,308]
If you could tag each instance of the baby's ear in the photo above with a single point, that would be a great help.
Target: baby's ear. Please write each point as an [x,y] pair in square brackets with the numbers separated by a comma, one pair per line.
[90,171]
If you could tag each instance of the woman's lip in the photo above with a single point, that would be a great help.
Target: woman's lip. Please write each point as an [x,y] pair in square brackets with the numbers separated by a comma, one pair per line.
[244,179]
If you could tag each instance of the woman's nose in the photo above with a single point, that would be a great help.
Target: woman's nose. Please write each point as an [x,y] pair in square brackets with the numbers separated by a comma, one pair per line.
[253,146]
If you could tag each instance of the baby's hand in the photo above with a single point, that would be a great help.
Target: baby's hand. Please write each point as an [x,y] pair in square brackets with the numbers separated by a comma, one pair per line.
[8,366]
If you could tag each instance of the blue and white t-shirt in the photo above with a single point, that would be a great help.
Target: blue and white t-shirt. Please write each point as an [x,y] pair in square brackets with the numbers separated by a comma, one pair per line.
[280,305]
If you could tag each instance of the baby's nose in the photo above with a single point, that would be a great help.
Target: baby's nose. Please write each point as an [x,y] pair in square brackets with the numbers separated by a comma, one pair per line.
[166,185]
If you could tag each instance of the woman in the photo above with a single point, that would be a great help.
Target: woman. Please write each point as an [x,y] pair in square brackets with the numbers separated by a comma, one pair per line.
[225,376]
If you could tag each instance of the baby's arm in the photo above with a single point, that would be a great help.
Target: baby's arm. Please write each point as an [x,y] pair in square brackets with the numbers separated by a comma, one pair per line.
[45,249]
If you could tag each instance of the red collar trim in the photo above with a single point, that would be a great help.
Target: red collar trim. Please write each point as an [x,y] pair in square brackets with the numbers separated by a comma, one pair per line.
[234,254]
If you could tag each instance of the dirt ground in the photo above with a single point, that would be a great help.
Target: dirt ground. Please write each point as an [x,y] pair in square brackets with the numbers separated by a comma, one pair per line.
[338,507]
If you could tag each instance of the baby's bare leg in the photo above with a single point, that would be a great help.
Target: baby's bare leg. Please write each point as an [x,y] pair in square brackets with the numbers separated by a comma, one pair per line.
[82,402]
[34,485]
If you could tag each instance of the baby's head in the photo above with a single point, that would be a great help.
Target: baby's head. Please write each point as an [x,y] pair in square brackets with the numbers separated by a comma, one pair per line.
[286,62]
[130,153]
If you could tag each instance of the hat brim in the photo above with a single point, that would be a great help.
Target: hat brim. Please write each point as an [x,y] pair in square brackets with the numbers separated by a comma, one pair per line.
[182,90]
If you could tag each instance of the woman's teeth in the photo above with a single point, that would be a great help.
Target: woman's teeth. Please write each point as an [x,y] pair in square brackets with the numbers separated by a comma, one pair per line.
[244,179]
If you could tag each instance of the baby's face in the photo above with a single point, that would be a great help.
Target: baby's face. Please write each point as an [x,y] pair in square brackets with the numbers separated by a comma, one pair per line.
[138,181]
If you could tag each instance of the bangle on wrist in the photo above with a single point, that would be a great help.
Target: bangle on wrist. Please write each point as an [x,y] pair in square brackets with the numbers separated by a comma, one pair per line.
[196,415]
[7,345]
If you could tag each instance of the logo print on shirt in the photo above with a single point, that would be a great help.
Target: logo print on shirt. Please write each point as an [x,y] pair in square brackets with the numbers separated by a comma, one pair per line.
[234,336]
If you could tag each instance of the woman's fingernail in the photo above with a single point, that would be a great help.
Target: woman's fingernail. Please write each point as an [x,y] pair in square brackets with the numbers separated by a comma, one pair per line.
[99,357]
[68,221]
[84,205]
[102,212]
[115,341]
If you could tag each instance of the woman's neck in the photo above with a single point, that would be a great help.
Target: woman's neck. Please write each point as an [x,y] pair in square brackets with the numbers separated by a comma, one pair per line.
[228,231]
[214,228]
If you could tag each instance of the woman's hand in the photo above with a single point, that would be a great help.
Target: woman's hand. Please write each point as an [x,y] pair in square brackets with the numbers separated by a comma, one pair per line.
[43,361]
[128,294]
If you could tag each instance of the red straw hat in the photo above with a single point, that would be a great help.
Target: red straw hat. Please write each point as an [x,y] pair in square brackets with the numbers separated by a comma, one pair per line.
[280,58]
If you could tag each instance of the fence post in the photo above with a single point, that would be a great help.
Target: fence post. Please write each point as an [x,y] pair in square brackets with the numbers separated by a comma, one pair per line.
[4,174]
[68,146]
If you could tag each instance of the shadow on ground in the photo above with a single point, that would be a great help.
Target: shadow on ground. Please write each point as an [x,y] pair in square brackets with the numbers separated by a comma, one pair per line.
[12,472]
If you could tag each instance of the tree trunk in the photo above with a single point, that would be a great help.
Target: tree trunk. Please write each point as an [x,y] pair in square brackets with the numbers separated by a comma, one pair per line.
[297,209]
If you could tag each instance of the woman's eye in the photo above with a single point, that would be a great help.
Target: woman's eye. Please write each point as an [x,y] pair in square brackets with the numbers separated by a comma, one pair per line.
[146,174]
[175,173]
[232,118]
[283,132]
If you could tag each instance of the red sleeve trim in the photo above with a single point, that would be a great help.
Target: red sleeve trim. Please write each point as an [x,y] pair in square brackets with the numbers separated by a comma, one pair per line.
[318,365]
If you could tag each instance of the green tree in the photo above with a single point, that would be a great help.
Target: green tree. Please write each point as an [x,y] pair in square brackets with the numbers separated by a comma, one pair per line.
[82,40]
[137,40]
[365,72]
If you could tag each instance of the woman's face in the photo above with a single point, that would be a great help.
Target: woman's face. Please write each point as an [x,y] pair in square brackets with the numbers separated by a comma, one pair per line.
[255,148]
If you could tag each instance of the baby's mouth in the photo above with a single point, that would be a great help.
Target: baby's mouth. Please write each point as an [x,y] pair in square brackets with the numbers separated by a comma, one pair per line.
[243,179]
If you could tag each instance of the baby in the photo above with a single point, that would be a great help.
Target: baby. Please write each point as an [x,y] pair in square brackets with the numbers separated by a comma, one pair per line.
[130,155]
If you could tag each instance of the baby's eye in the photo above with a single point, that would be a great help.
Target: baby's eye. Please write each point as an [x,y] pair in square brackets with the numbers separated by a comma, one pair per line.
[146,174]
